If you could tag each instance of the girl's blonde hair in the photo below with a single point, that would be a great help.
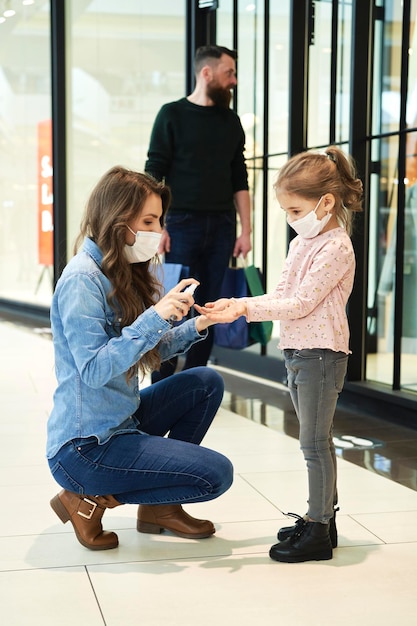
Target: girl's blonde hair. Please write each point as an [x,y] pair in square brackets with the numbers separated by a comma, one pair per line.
[118,198]
[312,175]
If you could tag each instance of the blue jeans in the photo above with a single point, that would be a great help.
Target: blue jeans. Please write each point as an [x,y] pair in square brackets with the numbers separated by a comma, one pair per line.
[315,380]
[145,466]
[203,242]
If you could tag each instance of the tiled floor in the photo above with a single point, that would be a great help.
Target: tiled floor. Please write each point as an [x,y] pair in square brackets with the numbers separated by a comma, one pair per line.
[48,578]
[381,446]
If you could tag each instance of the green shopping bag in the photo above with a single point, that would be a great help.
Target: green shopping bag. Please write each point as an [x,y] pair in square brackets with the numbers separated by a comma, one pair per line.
[259,332]
[241,282]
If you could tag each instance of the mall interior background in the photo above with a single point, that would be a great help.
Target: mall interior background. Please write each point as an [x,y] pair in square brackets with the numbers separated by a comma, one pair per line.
[87,77]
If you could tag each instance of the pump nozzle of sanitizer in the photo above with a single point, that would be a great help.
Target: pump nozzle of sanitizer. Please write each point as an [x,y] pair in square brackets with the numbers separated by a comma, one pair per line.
[190,289]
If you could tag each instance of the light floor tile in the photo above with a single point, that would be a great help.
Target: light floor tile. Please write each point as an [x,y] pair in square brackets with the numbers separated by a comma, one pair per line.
[253,589]
[394,527]
[61,596]
[241,503]
[63,550]
[48,578]
[352,533]
[360,491]
[268,462]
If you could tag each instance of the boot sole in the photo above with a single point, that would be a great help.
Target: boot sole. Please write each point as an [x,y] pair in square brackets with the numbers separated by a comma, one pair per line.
[65,517]
[156,529]
[314,556]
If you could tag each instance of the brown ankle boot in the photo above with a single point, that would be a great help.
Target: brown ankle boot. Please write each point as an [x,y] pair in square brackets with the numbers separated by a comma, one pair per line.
[85,513]
[155,518]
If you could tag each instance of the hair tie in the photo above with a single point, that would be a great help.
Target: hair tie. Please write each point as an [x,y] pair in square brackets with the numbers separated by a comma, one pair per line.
[331,157]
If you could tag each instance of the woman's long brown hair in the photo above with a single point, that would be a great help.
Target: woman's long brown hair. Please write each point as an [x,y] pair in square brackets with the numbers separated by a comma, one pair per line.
[117,199]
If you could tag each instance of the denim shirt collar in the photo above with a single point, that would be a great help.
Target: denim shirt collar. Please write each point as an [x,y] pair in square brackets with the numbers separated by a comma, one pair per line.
[93,250]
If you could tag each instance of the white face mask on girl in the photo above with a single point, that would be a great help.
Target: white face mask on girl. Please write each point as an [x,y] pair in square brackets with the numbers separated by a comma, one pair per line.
[309,226]
[145,246]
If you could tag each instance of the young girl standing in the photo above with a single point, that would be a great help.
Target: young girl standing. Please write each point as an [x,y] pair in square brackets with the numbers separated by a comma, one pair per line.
[319,193]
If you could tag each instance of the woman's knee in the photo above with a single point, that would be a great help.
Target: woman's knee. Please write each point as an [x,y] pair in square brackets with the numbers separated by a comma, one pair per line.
[224,474]
[208,377]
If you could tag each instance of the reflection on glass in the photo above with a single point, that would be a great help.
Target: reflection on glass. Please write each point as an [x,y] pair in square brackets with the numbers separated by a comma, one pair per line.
[251,95]
[343,79]
[409,319]
[409,322]
[25,156]
[382,241]
[319,77]
[125,59]
[384,208]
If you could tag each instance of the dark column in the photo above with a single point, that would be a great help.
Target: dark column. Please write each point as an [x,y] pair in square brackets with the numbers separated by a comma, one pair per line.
[201,31]
[301,16]
[59,145]
[359,147]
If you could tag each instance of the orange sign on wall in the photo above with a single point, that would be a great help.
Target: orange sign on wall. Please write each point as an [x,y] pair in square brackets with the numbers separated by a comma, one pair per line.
[45,195]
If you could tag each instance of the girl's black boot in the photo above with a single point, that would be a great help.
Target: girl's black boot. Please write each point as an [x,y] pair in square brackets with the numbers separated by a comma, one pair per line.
[312,543]
[289,531]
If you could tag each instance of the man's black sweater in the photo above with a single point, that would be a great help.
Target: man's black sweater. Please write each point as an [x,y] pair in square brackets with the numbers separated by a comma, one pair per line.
[198,150]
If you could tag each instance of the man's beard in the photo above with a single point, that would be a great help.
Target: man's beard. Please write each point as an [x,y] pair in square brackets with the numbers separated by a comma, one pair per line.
[220,96]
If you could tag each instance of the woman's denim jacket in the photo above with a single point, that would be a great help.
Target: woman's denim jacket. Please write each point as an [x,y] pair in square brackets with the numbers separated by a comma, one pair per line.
[93,354]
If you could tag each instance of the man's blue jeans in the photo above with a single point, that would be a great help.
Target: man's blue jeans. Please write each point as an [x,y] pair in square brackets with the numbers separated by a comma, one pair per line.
[203,242]
[315,380]
[145,466]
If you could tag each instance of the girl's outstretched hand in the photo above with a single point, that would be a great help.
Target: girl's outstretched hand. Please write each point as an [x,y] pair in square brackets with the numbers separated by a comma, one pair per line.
[223,310]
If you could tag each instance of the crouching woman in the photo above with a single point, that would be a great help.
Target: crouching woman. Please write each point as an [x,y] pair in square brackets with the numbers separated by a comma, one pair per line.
[109,441]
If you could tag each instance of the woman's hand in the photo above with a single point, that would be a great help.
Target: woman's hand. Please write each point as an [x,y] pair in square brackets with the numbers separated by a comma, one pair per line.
[202,322]
[177,302]
[223,310]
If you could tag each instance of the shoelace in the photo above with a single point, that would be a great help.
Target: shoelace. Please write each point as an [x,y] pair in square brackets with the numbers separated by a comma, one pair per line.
[297,517]
[299,524]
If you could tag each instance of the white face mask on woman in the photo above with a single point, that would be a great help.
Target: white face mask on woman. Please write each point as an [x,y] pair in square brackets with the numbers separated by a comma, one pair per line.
[309,226]
[145,246]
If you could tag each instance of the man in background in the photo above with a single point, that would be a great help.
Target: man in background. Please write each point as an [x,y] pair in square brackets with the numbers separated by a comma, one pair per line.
[197,147]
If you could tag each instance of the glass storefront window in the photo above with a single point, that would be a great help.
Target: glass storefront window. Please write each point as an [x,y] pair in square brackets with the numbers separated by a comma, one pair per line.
[409,317]
[251,95]
[320,80]
[279,80]
[384,202]
[320,52]
[25,155]
[384,197]
[224,24]
[344,58]
[381,296]
[125,60]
